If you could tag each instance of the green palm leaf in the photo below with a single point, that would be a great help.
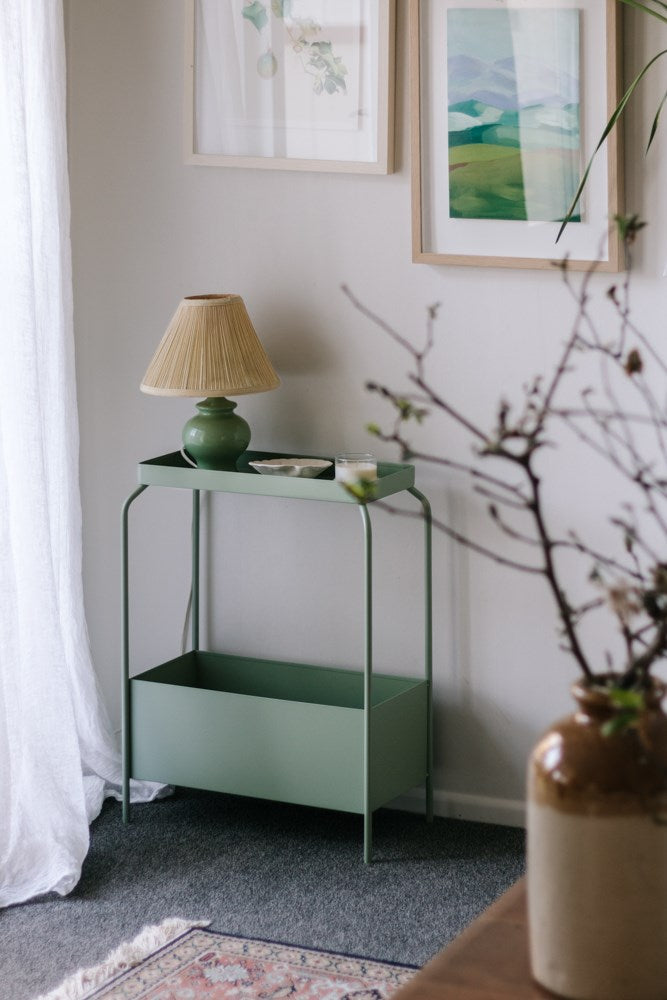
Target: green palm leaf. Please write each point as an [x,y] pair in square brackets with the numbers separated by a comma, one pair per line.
[638,5]
[618,111]
[654,126]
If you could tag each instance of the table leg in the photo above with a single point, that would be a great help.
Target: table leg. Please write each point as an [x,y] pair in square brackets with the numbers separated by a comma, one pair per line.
[428,645]
[368,675]
[125,654]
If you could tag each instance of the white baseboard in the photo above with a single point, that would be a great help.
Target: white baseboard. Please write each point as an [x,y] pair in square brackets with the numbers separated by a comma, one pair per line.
[460,805]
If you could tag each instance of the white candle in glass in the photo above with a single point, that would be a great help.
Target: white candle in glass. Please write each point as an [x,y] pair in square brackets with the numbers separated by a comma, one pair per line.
[352,467]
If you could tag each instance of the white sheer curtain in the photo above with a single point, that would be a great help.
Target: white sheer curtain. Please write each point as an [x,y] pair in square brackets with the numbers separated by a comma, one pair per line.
[58,755]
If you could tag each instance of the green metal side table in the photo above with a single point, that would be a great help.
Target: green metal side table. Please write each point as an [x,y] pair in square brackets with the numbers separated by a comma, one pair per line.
[293,732]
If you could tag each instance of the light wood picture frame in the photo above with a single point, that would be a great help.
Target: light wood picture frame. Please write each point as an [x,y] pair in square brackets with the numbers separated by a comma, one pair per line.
[290,84]
[486,132]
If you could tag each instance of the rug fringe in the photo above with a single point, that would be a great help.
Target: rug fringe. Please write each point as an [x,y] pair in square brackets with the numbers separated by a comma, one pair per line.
[130,953]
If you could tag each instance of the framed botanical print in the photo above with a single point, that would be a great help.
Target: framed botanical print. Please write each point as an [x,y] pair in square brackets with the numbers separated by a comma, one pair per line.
[290,84]
[509,99]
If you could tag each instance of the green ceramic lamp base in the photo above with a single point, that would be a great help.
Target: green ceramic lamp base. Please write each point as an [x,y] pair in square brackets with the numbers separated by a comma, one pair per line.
[216,436]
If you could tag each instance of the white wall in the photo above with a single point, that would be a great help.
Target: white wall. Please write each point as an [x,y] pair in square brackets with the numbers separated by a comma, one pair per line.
[147,230]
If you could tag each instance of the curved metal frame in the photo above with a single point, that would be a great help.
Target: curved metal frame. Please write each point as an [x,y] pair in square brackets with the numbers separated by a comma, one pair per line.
[368,648]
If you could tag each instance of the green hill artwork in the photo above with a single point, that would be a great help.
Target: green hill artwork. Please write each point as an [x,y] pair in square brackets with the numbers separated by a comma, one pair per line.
[513,113]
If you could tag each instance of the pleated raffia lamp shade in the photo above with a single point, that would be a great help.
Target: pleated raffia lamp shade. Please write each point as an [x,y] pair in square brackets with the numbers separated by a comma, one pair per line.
[211,349]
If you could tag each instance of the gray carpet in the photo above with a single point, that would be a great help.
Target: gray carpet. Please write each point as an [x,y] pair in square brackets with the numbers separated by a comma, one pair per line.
[264,870]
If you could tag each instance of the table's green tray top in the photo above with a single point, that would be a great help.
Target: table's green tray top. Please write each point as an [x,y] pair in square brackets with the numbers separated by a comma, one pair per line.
[174,470]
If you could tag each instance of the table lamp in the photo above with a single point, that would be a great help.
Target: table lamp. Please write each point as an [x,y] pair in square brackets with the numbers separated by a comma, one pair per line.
[211,349]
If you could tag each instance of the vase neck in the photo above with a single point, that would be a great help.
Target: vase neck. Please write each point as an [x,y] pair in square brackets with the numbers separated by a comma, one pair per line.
[595,700]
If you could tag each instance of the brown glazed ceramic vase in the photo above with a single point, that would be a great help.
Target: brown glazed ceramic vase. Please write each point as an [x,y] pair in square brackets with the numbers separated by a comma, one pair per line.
[597,853]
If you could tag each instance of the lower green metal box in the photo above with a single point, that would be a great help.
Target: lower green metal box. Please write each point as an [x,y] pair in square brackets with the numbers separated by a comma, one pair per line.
[285,731]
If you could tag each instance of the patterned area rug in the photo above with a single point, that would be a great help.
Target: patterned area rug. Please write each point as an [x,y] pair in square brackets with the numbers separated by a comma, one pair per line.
[206,965]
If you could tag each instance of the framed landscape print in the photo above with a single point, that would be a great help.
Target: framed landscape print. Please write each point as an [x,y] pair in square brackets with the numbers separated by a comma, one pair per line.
[509,99]
[290,84]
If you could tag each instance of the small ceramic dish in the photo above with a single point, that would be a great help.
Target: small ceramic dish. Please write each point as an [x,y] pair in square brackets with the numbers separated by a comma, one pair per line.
[308,468]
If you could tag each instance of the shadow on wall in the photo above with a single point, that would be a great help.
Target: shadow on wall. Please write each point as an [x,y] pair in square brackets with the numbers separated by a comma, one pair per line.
[298,346]
[309,366]
[474,737]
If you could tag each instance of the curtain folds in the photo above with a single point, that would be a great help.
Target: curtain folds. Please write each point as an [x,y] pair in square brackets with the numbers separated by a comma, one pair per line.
[58,754]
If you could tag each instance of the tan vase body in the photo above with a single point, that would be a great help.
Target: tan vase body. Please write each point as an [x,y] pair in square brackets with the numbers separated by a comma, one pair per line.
[597,855]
